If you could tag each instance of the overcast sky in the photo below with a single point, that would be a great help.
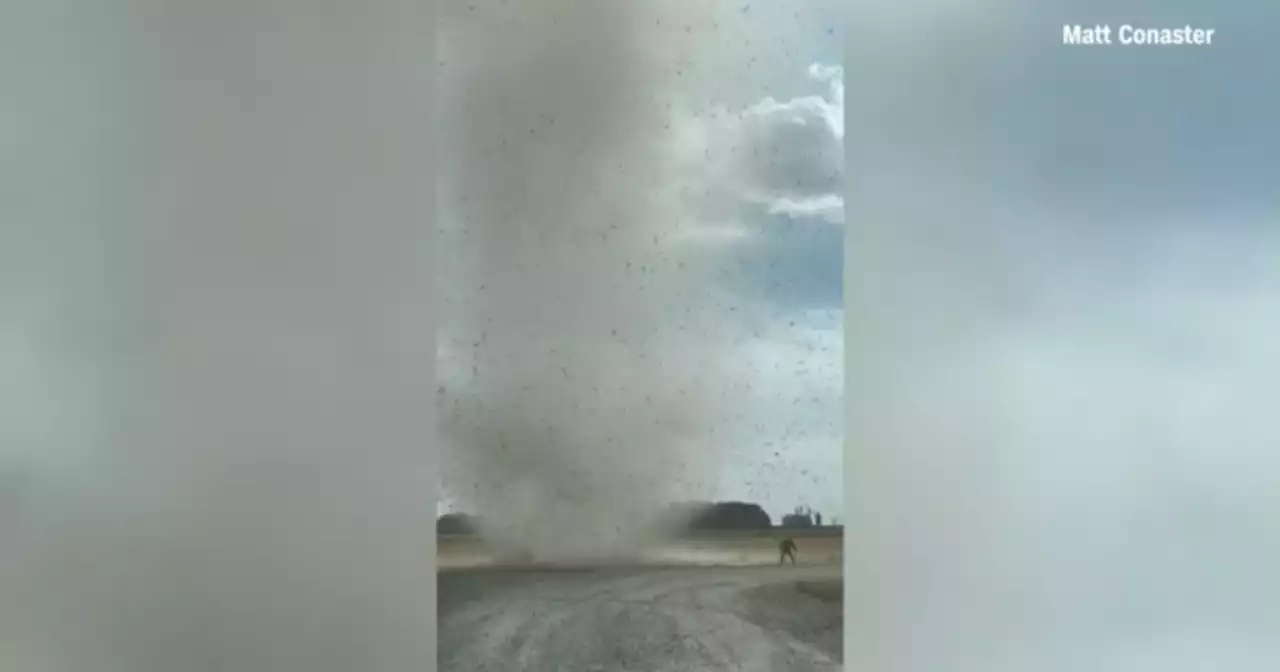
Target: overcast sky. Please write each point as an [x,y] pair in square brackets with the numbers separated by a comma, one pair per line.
[726,148]
[1064,272]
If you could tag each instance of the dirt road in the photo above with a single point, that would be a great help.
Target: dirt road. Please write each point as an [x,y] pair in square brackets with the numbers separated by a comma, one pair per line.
[642,618]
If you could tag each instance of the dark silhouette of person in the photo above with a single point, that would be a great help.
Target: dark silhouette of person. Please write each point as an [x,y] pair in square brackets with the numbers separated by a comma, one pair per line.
[787,548]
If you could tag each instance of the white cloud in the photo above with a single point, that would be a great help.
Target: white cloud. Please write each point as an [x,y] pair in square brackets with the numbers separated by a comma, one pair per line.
[791,153]
[786,155]
[829,207]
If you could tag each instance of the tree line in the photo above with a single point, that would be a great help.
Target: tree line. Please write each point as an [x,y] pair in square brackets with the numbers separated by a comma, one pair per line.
[694,516]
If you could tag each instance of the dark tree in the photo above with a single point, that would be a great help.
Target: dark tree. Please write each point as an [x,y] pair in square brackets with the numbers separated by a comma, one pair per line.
[455,523]
[726,516]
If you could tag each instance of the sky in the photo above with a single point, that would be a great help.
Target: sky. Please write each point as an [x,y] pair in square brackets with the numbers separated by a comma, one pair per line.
[1062,268]
[697,146]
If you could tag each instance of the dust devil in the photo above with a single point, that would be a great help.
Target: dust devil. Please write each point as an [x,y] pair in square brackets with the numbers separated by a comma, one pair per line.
[787,548]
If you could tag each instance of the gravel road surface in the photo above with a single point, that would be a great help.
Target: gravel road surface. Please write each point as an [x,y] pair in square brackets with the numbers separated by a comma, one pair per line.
[646,619]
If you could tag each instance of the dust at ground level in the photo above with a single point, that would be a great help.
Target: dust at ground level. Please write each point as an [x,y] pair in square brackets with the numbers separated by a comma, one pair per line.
[727,548]
[751,615]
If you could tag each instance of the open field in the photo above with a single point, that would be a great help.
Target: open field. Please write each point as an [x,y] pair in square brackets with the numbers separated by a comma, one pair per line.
[820,546]
[710,601]
[744,619]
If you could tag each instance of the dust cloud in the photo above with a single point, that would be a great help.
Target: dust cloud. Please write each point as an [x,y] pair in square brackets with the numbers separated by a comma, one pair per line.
[579,361]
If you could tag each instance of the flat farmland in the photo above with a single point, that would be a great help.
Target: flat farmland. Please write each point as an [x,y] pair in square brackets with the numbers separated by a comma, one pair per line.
[816,546]
[712,600]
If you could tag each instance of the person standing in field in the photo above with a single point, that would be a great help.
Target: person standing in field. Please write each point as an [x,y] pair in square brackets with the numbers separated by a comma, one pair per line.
[787,548]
